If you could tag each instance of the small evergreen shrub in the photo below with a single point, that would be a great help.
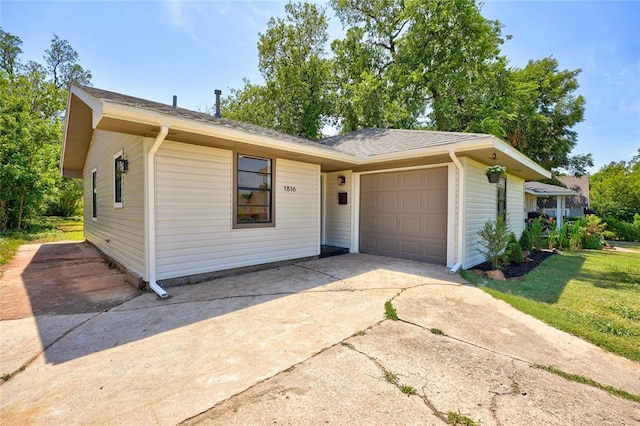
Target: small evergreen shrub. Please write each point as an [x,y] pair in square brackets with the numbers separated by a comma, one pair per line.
[525,241]
[535,232]
[494,237]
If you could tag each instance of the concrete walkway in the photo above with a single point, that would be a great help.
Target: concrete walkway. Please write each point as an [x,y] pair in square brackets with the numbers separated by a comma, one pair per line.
[308,344]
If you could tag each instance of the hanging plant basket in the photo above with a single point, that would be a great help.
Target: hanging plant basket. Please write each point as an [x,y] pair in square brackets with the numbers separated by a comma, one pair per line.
[494,173]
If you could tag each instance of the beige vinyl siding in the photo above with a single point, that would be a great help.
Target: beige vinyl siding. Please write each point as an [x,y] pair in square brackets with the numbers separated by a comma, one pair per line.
[338,216]
[480,206]
[194,232]
[118,232]
[515,204]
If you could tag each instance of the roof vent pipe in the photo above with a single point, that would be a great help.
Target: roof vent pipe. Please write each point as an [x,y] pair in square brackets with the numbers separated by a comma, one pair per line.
[175,102]
[218,92]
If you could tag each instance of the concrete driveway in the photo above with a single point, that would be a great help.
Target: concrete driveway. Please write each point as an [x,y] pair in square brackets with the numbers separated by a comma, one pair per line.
[307,344]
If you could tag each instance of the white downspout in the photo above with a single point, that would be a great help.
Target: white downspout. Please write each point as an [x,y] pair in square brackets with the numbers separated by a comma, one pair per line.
[150,211]
[459,227]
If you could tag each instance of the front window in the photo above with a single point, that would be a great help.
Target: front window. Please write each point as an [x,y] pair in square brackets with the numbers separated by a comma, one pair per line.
[502,198]
[254,200]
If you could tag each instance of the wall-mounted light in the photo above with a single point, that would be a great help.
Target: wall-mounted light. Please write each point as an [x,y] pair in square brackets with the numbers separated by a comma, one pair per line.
[122,165]
[342,180]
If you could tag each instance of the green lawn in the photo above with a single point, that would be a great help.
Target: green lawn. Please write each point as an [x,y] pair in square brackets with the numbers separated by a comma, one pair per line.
[40,231]
[592,294]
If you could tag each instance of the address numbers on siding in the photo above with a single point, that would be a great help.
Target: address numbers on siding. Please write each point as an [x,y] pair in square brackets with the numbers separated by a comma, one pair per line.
[288,188]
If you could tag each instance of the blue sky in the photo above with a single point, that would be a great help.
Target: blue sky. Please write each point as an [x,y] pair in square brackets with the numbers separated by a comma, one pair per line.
[155,49]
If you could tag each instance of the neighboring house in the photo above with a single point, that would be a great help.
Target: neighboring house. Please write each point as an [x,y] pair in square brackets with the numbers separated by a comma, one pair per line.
[547,199]
[576,205]
[173,193]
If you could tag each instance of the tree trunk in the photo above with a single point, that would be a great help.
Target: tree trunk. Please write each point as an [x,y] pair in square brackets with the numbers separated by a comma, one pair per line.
[20,211]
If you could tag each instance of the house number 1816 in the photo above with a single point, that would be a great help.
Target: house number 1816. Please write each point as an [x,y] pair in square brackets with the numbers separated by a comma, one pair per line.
[289,188]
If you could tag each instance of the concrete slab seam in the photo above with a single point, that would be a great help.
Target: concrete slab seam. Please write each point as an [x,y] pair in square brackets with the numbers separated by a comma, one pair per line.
[468,343]
[513,358]
[44,349]
[30,361]
[319,272]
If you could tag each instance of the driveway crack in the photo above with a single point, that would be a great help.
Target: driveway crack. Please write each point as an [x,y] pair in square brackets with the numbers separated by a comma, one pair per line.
[397,383]
[513,357]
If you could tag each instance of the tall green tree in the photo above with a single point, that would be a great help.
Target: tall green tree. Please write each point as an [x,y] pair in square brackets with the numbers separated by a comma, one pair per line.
[544,109]
[291,52]
[428,64]
[31,107]
[430,59]
[614,190]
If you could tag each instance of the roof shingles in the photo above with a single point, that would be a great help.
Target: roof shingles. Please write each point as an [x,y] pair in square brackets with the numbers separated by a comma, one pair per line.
[371,142]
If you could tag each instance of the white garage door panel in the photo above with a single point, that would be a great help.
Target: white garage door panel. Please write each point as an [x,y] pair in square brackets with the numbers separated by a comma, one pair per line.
[404,214]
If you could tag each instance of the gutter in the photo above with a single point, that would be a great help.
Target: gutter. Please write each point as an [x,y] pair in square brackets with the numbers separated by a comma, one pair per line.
[150,211]
[460,241]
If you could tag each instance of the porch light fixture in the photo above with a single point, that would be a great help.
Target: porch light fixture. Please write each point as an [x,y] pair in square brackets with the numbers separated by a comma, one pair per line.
[342,180]
[122,165]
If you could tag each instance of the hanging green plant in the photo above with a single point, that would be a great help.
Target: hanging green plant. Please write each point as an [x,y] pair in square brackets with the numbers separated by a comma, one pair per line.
[494,173]
[495,169]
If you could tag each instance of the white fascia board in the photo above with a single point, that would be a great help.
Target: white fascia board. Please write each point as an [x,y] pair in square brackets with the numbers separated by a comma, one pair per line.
[129,113]
[550,193]
[124,112]
[520,157]
[503,147]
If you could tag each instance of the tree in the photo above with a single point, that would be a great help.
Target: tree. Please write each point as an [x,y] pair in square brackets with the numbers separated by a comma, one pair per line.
[9,51]
[615,189]
[422,59]
[411,64]
[62,64]
[544,111]
[31,106]
[294,98]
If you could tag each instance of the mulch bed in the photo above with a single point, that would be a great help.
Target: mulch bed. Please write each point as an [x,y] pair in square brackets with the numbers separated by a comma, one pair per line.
[518,270]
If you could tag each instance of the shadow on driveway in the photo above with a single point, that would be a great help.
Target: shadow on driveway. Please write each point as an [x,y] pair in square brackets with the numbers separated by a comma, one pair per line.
[65,285]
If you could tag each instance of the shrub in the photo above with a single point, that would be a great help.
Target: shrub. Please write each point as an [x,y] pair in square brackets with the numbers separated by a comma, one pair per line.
[525,241]
[493,240]
[535,232]
[594,232]
[624,230]
[513,252]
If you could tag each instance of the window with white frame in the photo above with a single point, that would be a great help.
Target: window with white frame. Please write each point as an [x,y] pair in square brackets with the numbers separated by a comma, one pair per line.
[253,202]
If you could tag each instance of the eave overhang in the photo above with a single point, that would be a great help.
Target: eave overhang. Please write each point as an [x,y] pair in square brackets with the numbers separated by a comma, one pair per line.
[86,113]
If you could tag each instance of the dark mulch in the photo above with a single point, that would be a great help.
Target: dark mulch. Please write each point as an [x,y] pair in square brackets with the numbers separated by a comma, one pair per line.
[512,271]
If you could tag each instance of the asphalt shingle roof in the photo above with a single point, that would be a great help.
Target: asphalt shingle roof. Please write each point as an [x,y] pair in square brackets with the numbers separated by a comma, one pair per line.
[132,101]
[544,189]
[370,142]
[361,144]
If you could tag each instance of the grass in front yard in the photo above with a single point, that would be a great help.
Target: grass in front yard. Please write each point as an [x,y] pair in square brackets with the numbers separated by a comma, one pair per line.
[592,294]
[42,230]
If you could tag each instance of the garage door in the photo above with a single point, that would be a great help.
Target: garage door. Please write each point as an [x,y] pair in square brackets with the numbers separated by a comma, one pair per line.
[404,214]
